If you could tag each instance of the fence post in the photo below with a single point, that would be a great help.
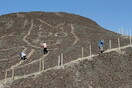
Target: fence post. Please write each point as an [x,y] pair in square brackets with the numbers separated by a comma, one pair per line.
[59,62]
[119,43]
[13,74]
[43,65]
[82,51]
[39,65]
[62,60]
[5,76]
[90,49]
[110,44]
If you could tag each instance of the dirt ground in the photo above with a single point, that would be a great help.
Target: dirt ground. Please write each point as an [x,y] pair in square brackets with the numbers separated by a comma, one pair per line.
[64,33]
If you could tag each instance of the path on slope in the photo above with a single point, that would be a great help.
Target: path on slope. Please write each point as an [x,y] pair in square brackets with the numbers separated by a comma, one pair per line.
[41,58]
[66,64]
[28,56]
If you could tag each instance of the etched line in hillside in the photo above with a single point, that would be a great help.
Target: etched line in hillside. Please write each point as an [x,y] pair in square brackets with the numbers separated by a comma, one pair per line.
[25,23]
[61,24]
[31,53]
[2,50]
[74,34]
[41,58]
[58,14]
[29,32]
[3,60]
[17,63]
[45,23]
[66,64]
[28,56]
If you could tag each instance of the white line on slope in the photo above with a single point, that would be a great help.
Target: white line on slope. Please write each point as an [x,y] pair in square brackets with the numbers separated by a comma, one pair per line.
[29,32]
[45,23]
[10,48]
[3,60]
[16,65]
[41,58]
[74,34]
[66,64]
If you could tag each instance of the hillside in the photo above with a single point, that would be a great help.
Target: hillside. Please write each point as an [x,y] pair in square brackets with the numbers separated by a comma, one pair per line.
[64,33]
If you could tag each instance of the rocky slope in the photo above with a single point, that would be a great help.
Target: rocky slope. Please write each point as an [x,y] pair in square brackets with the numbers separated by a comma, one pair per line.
[64,33]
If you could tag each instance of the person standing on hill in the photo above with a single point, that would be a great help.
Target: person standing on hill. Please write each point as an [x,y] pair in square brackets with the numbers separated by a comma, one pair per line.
[22,55]
[44,45]
[101,44]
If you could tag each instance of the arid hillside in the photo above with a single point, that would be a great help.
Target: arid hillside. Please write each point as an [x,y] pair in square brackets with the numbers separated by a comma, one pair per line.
[65,34]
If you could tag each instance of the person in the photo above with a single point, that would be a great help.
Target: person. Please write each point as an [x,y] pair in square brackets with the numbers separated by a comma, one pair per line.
[44,45]
[100,44]
[22,55]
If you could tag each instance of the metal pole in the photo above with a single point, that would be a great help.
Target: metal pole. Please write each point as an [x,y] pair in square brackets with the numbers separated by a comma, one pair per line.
[119,43]
[110,44]
[39,65]
[43,65]
[90,49]
[82,51]
[13,74]
[5,76]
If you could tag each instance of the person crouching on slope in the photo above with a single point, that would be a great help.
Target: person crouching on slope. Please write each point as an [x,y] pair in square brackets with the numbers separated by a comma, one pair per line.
[44,45]
[22,55]
[100,44]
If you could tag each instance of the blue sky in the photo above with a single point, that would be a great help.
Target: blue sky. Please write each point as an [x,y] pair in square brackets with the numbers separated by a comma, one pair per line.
[110,14]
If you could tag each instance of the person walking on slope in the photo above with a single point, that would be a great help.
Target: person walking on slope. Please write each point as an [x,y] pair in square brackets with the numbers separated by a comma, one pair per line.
[22,55]
[100,44]
[44,45]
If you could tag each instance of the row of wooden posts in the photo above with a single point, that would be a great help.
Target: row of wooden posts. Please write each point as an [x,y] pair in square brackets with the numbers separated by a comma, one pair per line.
[60,59]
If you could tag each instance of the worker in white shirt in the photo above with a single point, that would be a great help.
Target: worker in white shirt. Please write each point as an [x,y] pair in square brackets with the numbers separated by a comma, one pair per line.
[44,45]
[22,55]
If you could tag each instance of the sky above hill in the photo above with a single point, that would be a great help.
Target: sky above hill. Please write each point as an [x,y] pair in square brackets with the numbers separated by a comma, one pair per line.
[110,14]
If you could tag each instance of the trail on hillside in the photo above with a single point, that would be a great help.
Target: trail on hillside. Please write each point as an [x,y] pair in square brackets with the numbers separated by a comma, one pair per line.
[41,58]
[65,65]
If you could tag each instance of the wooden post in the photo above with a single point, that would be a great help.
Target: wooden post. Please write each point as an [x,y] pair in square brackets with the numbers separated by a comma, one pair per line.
[119,43]
[82,51]
[59,62]
[61,59]
[39,65]
[5,76]
[13,74]
[43,65]
[90,49]
[110,44]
